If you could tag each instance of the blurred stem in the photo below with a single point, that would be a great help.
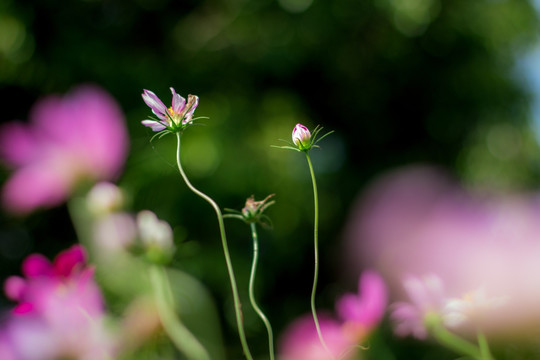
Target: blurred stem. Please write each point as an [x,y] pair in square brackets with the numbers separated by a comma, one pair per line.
[178,333]
[236,298]
[485,353]
[252,295]
[316,253]
[454,342]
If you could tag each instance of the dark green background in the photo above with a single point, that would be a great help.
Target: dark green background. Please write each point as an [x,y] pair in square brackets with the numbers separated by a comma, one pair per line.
[399,81]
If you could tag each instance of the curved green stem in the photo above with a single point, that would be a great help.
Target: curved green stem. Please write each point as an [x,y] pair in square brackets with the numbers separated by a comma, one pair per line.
[316,253]
[236,297]
[454,342]
[252,295]
[182,338]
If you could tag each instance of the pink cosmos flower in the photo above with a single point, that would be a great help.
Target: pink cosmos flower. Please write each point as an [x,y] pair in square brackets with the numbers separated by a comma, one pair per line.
[359,314]
[175,118]
[78,137]
[59,312]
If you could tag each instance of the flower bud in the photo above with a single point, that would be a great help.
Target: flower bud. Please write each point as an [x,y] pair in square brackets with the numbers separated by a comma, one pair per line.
[301,136]
[105,198]
[156,236]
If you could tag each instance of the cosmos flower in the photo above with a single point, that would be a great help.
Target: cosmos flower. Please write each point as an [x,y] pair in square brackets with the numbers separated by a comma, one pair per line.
[174,118]
[70,140]
[59,312]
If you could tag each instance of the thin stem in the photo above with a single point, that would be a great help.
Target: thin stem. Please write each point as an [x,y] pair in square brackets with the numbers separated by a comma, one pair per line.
[485,353]
[316,253]
[252,295]
[178,333]
[236,298]
[454,342]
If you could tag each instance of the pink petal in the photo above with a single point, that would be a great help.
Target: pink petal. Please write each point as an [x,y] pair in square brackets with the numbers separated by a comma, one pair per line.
[14,287]
[154,125]
[157,106]
[17,144]
[368,307]
[36,265]
[35,187]
[300,340]
[178,102]
[70,260]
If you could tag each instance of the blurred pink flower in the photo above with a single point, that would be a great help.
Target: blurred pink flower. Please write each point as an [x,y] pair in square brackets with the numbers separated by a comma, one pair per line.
[419,221]
[301,342]
[59,312]
[359,313]
[78,137]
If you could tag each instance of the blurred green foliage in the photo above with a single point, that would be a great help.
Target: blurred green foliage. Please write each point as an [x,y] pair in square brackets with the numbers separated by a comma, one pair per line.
[399,81]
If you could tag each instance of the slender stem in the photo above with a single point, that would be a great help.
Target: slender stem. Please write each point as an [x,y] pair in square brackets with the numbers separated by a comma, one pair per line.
[485,353]
[236,297]
[252,295]
[316,253]
[178,333]
[454,342]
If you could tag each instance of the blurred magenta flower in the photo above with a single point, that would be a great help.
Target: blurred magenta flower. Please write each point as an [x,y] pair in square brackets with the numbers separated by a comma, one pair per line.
[359,314]
[70,139]
[362,312]
[59,312]
[175,118]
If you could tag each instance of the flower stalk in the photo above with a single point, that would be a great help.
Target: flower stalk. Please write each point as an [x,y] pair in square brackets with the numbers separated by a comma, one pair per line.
[254,304]
[316,253]
[230,270]
[182,338]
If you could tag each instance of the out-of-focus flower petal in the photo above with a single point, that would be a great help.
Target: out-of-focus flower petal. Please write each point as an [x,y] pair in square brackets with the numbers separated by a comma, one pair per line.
[34,187]
[36,265]
[300,340]
[70,260]
[18,145]
[14,287]
[368,307]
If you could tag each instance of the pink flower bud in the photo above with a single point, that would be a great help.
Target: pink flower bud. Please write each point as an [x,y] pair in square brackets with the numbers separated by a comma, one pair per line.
[301,136]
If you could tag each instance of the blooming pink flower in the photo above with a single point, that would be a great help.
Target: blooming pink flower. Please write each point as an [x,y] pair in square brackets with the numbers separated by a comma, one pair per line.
[59,312]
[363,311]
[301,136]
[175,118]
[81,136]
